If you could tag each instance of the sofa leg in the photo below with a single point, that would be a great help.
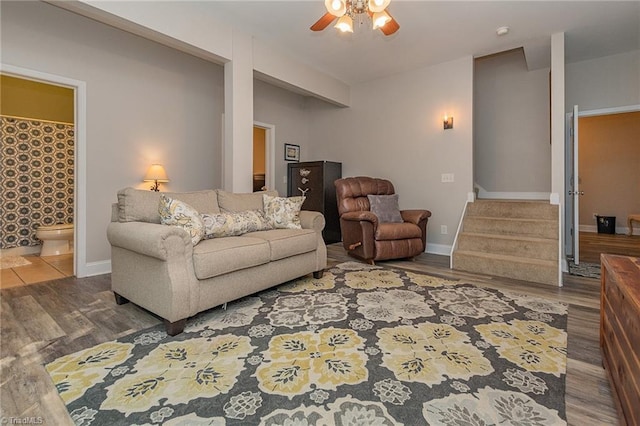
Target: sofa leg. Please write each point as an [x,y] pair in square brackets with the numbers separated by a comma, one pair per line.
[119,299]
[318,274]
[176,327]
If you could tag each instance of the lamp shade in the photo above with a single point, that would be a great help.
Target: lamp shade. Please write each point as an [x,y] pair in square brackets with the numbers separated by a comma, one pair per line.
[156,173]
[378,5]
[380,19]
[345,24]
[336,7]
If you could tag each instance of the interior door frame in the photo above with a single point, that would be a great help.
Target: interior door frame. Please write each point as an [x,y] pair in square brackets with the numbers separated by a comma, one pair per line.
[269,150]
[80,267]
[572,183]
[585,113]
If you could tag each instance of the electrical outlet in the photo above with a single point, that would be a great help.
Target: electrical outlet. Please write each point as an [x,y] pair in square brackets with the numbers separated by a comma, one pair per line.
[443,229]
[284,179]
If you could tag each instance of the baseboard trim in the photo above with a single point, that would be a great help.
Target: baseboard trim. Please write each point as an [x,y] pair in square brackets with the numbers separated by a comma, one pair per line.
[442,249]
[21,251]
[97,268]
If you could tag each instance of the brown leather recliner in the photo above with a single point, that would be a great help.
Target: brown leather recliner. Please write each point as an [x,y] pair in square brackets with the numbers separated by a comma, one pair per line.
[364,236]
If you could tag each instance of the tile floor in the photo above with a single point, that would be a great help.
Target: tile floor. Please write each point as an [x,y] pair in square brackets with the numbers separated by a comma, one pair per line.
[41,269]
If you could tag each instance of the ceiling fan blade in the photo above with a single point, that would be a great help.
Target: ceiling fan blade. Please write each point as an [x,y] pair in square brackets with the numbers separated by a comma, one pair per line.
[390,27]
[323,22]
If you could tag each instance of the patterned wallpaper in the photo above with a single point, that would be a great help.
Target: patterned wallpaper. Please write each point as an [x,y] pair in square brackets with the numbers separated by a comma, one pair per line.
[37,178]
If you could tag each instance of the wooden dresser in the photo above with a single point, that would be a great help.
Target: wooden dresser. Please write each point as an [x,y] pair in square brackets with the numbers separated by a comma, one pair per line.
[620,332]
[316,179]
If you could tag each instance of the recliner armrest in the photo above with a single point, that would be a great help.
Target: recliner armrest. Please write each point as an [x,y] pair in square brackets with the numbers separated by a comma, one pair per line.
[415,216]
[365,215]
[150,239]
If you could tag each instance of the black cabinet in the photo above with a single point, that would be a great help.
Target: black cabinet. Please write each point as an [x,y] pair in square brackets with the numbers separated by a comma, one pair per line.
[315,179]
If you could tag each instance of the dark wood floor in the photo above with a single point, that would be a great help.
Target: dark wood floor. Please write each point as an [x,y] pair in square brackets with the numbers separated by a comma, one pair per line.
[41,322]
[593,244]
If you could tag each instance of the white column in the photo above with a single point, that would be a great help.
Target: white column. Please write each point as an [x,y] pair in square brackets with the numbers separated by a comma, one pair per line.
[238,107]
[557,138]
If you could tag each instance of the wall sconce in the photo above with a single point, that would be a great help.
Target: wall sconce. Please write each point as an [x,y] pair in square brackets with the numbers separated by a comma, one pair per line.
[156,174]
[448,122]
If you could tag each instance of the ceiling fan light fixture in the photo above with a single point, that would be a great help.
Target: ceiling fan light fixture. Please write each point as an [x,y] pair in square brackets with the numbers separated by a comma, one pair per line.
[345,24]
[380,19]
[378,5]
[336,7]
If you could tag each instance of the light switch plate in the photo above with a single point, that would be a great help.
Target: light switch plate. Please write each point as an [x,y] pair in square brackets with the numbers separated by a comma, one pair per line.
[447,177]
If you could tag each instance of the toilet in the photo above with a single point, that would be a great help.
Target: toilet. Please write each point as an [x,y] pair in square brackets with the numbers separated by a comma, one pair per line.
[56,239]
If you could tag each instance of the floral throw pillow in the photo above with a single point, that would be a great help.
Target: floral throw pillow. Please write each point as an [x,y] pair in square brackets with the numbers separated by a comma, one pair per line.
[230,224]
[283,213]
[177,213]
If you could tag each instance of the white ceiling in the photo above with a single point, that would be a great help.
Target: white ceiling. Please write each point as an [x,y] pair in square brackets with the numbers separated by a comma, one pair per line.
[437,31]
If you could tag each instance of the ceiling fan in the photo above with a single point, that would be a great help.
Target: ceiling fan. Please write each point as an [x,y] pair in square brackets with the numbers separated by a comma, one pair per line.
[347,10]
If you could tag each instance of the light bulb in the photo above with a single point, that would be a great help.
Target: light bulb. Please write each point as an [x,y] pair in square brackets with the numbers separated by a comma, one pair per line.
[336,7]
[380,19]
[345,24]
[378,5]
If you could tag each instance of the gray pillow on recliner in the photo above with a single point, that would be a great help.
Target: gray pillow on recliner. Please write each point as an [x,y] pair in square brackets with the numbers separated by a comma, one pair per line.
[385,207]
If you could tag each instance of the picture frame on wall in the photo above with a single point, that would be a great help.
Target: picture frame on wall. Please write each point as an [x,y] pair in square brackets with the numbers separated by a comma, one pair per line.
[291,152]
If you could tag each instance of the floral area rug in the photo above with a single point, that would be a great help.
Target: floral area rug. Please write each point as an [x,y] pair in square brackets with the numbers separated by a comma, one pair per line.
[7,262]
[363,345]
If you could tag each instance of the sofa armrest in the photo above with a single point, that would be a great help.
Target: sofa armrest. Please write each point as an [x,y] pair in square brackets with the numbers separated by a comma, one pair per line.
[150,239]
[415,216]
[312,220]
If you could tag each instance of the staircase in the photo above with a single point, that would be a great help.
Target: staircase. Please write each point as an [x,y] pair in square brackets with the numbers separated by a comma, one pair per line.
[509,238]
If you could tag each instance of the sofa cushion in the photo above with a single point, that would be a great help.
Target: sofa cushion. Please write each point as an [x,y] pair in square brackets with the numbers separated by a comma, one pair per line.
[397,231]
[219,256]
[232,224]
[137,205]
[287,242]
[234,202]
[283,213]
[385,207]
[178,213]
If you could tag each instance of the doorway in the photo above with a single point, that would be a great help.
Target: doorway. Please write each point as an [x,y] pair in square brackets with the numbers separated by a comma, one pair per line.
[79,267]
[37,189]
[608,163]
[263,156]
[259,159]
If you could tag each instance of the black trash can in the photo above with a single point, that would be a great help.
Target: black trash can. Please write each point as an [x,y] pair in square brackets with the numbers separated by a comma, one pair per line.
[606,224]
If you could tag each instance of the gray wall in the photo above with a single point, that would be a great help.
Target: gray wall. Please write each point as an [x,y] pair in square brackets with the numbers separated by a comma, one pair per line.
[606,82]
[145,103]
[512,150]
[287,112]
[394,130]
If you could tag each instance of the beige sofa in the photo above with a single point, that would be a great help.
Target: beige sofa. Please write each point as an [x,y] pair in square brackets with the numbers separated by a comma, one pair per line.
[157,267]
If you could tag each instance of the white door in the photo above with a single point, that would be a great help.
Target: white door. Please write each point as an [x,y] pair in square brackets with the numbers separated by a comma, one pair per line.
[574,189]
